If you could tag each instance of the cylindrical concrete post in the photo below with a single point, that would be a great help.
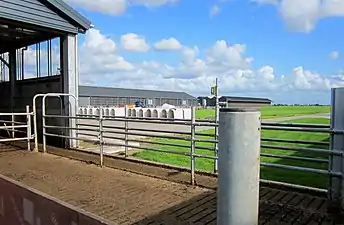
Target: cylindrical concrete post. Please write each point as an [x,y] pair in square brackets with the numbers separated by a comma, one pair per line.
[239,164]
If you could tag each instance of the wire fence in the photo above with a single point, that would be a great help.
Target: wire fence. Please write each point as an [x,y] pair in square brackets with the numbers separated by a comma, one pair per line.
[292,154]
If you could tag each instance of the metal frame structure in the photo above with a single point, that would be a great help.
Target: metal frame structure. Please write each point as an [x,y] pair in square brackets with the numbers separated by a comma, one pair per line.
[16,127]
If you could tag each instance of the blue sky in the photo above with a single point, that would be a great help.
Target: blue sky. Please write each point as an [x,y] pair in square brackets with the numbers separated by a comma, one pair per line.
[288,50]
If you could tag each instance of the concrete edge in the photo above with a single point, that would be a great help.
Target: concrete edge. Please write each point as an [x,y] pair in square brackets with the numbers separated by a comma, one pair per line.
[58,201]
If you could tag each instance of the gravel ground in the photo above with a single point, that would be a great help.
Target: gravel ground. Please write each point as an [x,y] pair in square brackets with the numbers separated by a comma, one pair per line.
[131,198]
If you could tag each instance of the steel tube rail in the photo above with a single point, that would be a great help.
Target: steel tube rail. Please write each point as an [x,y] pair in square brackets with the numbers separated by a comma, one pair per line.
[14,122]
[71,128]
[192,149]
[149,135]
[91,135]
[238,175]
[303,169]
[301,129]
[74,138]
[315,150]
[295,158]
[14,139]
[147,118]
[295,141]
[319,190]
[28,129]
[72,117]
[305,125]
[160,131]
[14,114]
[58,95]
[101,138]
[130,119]
[11,127]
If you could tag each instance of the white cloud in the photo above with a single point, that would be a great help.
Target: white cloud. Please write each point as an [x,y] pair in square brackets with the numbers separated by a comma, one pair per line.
[170,44]
[135,43]
[195,73]
[333,55]
[116,7]
[110,7]
[214,10]
[302,16]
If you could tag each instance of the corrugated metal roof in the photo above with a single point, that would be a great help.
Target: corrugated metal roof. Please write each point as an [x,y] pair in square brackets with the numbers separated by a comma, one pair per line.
[123,92]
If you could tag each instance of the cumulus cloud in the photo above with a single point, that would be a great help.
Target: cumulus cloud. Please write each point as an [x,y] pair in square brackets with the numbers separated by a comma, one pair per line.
[196,72]
[170,44]
[302,16]
[134,43]
[333,55]
[116,7]
[110,7]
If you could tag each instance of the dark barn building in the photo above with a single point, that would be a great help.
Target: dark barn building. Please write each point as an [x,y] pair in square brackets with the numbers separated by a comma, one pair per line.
[108,96]
[230,101]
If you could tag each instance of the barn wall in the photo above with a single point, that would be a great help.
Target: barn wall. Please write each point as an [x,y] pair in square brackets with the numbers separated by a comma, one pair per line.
[25,91]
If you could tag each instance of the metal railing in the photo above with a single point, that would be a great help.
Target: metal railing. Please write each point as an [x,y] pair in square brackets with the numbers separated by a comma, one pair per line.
[16,128]
[187,138]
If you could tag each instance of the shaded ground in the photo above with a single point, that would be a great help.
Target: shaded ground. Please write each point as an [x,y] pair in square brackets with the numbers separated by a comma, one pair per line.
[130,198]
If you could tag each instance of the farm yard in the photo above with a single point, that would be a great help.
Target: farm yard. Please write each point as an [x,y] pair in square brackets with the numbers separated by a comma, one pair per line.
[283,114]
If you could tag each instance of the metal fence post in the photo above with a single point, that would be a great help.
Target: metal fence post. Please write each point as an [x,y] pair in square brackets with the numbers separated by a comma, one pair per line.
[28,123]
[239,164]
[126,131]
[13,120]
[101,147]
[44,127]
[193,144]
[216,133]
[336,162]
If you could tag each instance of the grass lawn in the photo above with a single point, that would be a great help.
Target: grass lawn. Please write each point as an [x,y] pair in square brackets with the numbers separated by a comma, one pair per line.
[273,111]
[290,176]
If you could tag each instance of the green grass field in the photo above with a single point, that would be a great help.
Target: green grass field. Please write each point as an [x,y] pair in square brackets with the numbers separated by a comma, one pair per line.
[290,176]
[273,111]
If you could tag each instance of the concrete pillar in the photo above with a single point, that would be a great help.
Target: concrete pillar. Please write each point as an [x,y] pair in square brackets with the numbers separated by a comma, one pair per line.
[70,79]
[336,187]
[13,77]
[239,164]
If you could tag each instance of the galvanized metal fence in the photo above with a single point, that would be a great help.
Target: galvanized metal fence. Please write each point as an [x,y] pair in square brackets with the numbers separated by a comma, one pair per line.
[16,127]
[195,139]
[193,144]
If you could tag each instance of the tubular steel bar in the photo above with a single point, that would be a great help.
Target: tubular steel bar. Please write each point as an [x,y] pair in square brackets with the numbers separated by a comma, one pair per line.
[192,149]
[295,158]
[58,95]
[303,169]
[101,140]
[238,175]
[28,130]
[336,187]
[126,131]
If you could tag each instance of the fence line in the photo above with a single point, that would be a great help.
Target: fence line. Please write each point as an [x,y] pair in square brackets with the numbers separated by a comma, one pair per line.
[121,134]
[17,127]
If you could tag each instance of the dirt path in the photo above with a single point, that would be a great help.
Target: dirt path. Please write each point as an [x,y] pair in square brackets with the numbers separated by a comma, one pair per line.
[130,198]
